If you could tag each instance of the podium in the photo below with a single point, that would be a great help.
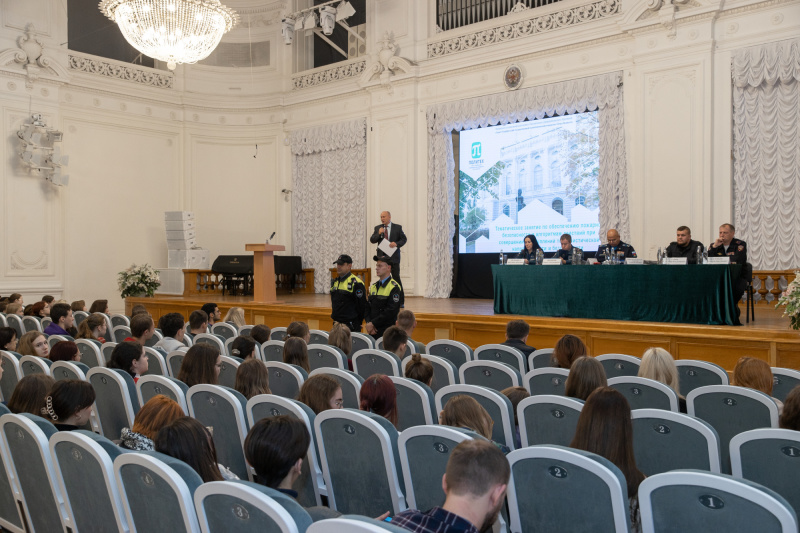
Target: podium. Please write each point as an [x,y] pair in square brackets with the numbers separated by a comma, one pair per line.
[264,271]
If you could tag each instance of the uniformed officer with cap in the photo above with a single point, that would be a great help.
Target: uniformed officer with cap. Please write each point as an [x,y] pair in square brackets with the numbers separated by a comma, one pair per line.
[385,296]
[348,295]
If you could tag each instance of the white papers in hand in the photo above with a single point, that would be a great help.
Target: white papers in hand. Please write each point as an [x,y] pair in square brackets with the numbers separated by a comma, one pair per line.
[385,248]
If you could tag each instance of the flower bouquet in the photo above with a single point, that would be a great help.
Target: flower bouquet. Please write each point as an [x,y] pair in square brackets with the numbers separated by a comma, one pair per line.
[791,299]
[138,281]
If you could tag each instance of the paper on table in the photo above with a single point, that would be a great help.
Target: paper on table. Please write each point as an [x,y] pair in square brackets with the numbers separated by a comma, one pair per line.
[385,248]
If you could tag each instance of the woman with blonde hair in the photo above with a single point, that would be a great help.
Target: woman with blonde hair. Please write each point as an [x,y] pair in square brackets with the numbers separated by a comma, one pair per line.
[755,374]
[93,327]
[235,316]
[33,343]
[658,364]
[252,378]
[464,411]
[339,336]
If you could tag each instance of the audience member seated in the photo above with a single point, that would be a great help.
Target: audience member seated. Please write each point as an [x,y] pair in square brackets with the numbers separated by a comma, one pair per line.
[30,393]
[235,316]
[276,448]
[68,405]
[320,393]
[299,330]
[198,322]
[755,374]
[14,309]
[33,343]
[379,396]
[408,322]
[252,378]
[8,339]
[28,310]
[295,352]
[517,332]
[40,310]
[340,337]
[65,351]
[212,311]
[260,333]
[243,347]
[516,395]
[16,298]
[130,357]
[605,428]
[586,375]
[658,364]
[78,305]
[567,349]
[3,304]
[158,412]
[142,328]
[790,417]
[188,440]
[465,412]
[171,326]
[138,309]
[474,485]
[419,368]
[99,306]
[394,340]
[62,320]
[201,365]
[94,327]
[48,299]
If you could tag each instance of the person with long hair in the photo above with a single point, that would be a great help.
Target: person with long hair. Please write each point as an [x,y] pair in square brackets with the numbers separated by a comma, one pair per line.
[586,375]
[658,364]
[299,330]
[243,347]
[567,349]
[14,309]
[252,378]
[68,405]
[516,395]
[99,306]
[378,395]
[78,305]
[464,411]
[605,428]
[40,310]
[419,368]
[320,393]
[790,417]
[295,352]
[188,440]
[30,393]
[65,351]
[94,327]
[130,357]
[16,298]
[528,252]
[755,374]
[201,365]
[340,337]
[158,412]
[33,343]
[235,316]
[8,339]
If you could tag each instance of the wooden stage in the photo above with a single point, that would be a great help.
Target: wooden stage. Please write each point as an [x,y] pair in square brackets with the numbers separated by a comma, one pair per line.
[473,321]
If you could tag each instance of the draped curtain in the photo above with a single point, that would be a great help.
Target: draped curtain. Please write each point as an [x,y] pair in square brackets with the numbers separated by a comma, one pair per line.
[329,171]
[602,93]
[766,148]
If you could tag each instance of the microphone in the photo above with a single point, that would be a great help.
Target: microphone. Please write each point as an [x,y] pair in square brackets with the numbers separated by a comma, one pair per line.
[270,237]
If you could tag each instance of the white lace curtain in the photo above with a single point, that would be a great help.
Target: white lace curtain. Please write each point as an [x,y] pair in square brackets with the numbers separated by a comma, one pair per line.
[329,171]
[602,93]
[766,148]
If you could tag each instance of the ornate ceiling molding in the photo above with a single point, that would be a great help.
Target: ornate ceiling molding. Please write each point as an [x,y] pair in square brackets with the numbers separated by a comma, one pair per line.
[131,73]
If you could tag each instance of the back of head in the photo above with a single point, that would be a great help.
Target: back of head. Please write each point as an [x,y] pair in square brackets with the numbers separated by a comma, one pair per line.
[6,335]
[586,375]
[406,320]
[197,319]
[13,308]
[393,338]
[124,354]
[158,412]
[140,324]
[28,311]
[317,392]
[273,447]
[78,305]
[243,346]
[252,378]
[188,440]
[95,320]
[99,306]
[170,324]
[658,364]
[515,395]
[138,309]
[340,337]
[260,333]
[567,349]
[59,311]
[790,417]
[464,411]
[517,329]
[66,398]
[235,315]
[754,374]
[295,352]
[419,368]
[297,329]
[379,396]
[476,467]
[30,393]
[199,365]
[48,299]
[63,351]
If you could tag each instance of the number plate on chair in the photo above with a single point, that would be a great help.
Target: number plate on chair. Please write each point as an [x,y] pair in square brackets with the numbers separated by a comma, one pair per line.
[711,501]
[557,472]
[441,447]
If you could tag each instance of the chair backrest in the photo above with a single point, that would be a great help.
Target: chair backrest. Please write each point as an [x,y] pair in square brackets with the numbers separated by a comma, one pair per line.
[769,457]
[157,491]
[415,403]
[410,348]
[3,322]
[730,411]
[353,524]
[152,341]
[548,419]
[84,464]
[52,340]
[669,502]
[666,440]
[79,316]
[424,452]
[227,372]
[149,386]
[106,350]
[225,330]
[369,362]
[546,481]
[120,320]
[120,333]
[284,380]
[61,370]
[10,512]
[116,403]
[546,381]
[355,446]
[444,372]
[46,321]
[456,352]
[272,350]
[618,364]
[542,358]
[643,393]
[318,336]
[208,338]
[497,405]
[277,334]
[156,363]
[15,323]
[783,381]
[12,373]
[348,380]
[32,364]
[244,331]
[90,353]
[174,362]
[31,323]
[222,409]
[322,355]
[501,354]
[361,341]
[694,374]
[491,374]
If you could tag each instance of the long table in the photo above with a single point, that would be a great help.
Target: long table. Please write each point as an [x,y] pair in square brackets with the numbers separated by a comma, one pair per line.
[696,294]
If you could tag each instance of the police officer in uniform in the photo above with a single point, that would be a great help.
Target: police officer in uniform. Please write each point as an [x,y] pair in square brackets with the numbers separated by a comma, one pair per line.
[614,245]
[348,295]
[385,296]
[736,249]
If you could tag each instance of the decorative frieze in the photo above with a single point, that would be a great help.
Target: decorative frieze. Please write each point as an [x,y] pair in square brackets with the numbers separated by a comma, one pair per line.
[328,75]
[130,73]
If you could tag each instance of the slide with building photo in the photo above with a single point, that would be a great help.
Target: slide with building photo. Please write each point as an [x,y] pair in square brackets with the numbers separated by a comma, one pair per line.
[538,177]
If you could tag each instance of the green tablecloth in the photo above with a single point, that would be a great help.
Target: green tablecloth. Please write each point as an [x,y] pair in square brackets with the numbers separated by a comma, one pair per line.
[697,294]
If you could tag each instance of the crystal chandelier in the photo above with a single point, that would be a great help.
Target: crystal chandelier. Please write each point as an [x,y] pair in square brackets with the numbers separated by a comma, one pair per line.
[174,31]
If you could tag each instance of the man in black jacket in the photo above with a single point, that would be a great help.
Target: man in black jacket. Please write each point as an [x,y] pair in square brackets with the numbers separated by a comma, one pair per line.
[397,239]
[684,246]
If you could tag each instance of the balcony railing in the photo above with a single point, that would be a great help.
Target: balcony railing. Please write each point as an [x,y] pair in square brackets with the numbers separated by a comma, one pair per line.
[451,14]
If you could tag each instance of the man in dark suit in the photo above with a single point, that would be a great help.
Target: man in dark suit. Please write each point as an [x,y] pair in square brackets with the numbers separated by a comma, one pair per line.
[394,233]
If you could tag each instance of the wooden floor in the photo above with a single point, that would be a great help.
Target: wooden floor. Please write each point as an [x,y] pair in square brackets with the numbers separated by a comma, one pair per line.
[473,321]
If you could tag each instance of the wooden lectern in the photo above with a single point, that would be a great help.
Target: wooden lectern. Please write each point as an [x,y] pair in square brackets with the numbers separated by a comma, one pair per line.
[264,271]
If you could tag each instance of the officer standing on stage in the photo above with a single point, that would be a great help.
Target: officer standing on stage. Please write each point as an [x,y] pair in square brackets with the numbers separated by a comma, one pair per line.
[348,295]
[385,296]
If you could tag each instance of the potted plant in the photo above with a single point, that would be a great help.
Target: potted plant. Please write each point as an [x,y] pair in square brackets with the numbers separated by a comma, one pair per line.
[138,281]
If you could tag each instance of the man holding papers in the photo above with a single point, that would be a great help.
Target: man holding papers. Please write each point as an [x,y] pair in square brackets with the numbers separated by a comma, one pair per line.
[390,238]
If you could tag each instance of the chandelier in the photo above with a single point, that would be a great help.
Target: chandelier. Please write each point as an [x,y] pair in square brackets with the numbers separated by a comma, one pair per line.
[174,31]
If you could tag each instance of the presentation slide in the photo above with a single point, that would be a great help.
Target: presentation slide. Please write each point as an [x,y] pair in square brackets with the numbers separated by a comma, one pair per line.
[537,177]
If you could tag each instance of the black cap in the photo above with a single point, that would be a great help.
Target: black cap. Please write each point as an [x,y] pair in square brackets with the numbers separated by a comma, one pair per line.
[343,259]
[383,258]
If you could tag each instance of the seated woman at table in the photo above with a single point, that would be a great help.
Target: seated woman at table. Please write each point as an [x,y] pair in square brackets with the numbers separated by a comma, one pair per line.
[528,253]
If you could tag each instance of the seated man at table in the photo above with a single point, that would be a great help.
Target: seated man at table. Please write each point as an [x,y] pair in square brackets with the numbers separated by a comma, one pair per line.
[567,250]
[736,249]
[686,247]
[614,245]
